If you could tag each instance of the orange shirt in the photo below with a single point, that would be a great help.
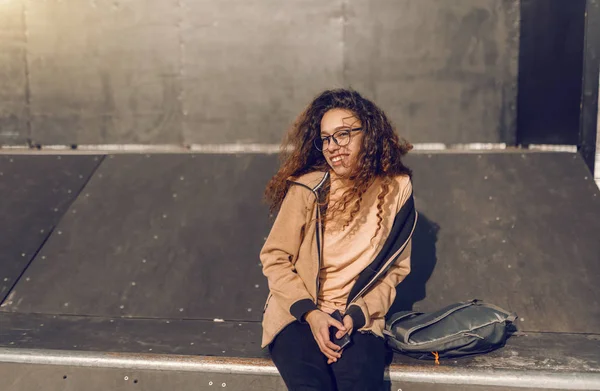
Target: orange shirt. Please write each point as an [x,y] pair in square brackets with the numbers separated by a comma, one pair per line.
[348,252]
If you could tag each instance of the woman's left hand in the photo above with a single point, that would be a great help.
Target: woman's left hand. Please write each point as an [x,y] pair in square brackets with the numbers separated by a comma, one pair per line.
[349,325]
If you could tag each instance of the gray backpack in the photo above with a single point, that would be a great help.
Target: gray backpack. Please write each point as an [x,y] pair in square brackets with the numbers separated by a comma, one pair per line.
[460,329]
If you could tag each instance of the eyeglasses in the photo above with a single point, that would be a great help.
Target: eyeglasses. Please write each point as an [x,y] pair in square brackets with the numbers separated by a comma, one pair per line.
[341,138]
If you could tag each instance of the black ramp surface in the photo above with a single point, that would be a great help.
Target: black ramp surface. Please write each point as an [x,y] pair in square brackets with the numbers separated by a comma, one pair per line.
[167,236]
[157,336]
[35,192]
[519,230]
[179,236]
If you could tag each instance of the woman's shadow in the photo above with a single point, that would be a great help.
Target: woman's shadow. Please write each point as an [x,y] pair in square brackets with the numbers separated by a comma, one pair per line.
[423,261]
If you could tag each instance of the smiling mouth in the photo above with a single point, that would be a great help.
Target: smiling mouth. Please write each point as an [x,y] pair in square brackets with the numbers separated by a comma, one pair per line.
[337,159]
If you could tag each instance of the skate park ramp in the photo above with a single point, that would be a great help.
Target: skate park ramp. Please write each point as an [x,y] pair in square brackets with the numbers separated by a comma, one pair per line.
[153,269]
[36,191]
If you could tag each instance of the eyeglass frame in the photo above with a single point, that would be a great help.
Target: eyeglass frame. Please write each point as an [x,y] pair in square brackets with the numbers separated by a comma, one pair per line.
[332,136]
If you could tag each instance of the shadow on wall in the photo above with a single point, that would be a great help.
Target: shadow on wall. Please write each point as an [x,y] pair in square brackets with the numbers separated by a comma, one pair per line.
[423,261]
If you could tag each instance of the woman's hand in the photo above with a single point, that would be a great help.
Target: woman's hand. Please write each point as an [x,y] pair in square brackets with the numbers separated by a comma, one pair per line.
[349,325]
[319,323]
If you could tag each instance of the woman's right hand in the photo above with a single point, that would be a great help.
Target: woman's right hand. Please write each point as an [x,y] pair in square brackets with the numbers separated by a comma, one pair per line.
[320,322]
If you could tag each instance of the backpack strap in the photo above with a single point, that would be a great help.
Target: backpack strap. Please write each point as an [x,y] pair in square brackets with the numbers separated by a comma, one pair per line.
[397,317]
[510,316]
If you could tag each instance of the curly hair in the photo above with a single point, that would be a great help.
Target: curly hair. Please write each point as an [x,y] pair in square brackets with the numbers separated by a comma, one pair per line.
[379,157]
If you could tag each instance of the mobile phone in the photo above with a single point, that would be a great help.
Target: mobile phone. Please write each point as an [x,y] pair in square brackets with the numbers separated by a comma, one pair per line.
[341,342]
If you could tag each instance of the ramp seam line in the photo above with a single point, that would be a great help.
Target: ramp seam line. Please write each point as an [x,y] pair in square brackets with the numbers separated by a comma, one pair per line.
[50,232]
[88,316]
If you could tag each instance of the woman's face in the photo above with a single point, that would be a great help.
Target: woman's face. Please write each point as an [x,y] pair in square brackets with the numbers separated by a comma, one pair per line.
[342,159]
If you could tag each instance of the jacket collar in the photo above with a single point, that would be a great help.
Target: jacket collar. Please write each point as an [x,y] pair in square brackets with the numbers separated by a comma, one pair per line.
[313,180]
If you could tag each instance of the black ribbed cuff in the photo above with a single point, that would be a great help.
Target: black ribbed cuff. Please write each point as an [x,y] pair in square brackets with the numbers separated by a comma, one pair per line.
[301,307]
[358,318]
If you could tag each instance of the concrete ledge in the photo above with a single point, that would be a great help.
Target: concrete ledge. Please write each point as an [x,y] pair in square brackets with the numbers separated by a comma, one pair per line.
[426,373]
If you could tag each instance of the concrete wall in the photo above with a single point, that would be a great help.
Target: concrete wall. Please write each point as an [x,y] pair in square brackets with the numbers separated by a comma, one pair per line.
[229,71]
[14,114]
[597,165]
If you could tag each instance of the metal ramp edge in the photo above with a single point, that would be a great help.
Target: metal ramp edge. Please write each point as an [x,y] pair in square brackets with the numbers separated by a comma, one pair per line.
[401,374]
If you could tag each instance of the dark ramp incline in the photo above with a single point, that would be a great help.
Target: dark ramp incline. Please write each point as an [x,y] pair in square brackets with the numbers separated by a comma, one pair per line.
[164,236]
[519,230]
[35,192]
[178,237]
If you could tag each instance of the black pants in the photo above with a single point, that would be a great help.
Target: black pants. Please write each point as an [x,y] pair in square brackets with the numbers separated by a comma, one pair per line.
[303,367]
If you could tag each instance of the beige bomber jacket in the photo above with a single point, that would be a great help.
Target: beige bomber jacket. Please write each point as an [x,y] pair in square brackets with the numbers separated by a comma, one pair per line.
[291,259]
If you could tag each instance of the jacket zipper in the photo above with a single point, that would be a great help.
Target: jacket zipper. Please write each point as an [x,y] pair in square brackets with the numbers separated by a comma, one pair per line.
[318,234]
[318,228]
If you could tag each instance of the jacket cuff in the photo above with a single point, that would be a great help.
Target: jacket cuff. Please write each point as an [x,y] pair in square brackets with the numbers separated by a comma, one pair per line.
[357,315]
[301,307]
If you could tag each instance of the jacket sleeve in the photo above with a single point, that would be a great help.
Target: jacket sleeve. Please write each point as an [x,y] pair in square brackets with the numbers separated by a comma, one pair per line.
[280,249]
[378,300]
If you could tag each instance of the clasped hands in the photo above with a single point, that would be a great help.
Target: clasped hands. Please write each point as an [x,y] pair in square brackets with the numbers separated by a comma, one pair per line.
[320,322]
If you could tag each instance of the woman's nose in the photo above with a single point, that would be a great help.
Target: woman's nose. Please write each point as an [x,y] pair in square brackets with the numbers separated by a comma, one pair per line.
[332,146]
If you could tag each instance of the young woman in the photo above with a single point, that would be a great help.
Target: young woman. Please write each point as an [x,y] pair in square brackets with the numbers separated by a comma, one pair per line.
[340,242]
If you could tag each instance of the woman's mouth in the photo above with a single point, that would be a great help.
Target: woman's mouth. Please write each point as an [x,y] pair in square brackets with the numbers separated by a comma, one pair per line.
[337,160]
